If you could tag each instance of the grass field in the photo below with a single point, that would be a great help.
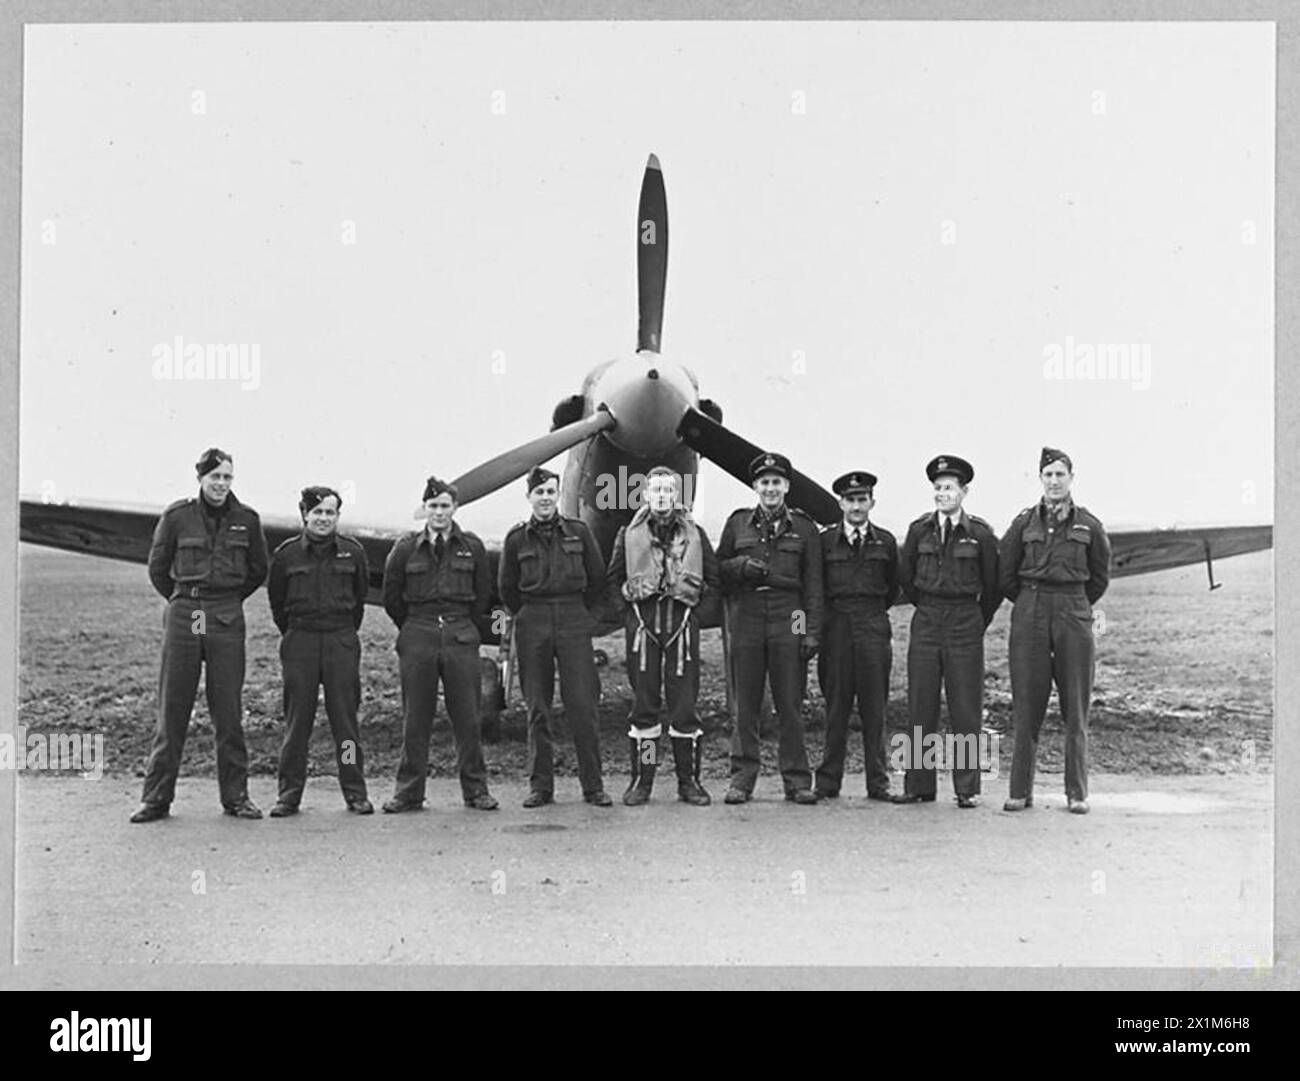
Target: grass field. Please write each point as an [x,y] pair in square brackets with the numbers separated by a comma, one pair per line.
[1184,679]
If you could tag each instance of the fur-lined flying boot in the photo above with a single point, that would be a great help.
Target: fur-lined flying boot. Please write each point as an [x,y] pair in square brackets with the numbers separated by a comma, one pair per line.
[687,755]
[645,760]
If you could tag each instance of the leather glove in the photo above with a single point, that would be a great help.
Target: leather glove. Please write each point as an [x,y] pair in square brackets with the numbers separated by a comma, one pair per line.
[808,648]
[753,570]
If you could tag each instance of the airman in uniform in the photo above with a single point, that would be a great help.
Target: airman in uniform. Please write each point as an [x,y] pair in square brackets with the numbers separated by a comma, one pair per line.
[552,580]
[860,563]
[770,558]
[437,590]
[208,555]
[317,591]
[948,568]
[1055,566]
[661,569]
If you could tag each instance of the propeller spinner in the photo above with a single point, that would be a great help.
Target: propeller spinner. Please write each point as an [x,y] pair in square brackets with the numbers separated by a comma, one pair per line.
[645,404]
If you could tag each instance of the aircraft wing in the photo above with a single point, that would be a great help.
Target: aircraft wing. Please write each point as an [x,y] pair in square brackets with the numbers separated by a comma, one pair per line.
[1144,551]
[120,531]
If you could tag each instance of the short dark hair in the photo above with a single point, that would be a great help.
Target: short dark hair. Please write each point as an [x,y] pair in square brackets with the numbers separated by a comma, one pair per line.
[314,496]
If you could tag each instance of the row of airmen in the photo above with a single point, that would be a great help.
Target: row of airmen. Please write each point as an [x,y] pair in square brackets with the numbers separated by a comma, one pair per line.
[790,592]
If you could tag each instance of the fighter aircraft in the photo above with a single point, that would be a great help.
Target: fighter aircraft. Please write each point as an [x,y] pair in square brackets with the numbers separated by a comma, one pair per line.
[634,412]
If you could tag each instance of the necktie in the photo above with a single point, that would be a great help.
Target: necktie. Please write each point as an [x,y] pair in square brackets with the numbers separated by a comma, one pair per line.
[947,531]
[856,542]
[439,546]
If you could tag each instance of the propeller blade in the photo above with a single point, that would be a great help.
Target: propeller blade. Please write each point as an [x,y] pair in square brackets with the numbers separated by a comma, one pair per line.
[651,256]
[733,453]
[487,478]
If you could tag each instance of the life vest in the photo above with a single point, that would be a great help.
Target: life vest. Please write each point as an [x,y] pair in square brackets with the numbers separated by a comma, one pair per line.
[654,570]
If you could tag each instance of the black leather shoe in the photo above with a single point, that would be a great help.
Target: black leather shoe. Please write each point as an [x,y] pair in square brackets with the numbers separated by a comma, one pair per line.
[283,810]
[359,807]
[910,797]
[539,799]
[482,802]
[599,799]
[245,808]
[397,806]
[824,794]
[151,812]
[966,802]
[736,795]
[884,797]
[804,796]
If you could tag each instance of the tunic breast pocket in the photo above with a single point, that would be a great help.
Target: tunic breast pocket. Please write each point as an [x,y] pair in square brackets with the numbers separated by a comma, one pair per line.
[575,570]
[838,571]
[1033,541]
[788,556]
[192,561]
[419,579]
[530,569]
[340,581]
[927,561]
[966,563]
[462,572]
[298,580]
[878,563]
[236,546]
[1076,550]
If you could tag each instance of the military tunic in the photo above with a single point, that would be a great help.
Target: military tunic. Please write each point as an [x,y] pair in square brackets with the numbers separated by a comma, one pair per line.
[205,561]
[439,603]
[552,579]
[857,651]
[317,592]
[1054,571]
[954,587]
[768,620]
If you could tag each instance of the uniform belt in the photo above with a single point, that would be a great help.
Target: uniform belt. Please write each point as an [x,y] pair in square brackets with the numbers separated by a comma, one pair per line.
[440,619]
[323,626]
[863,602]
[198,593]
[777,589]
[1051,587]
[934,600]
[433,611]
[553,599]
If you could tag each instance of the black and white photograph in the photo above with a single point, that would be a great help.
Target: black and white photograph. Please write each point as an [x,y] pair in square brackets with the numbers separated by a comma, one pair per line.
[688,494]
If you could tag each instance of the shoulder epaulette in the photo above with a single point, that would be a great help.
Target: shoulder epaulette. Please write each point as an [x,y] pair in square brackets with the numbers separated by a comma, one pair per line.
[979,521]
[178,504]
[921,519]
[285,544]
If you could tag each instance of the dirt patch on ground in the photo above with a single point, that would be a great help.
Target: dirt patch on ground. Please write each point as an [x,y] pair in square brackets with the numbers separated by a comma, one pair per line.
[1184,680]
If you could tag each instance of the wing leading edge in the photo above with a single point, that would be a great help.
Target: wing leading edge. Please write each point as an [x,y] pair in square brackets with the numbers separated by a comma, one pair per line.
[1145,551]
[125,532]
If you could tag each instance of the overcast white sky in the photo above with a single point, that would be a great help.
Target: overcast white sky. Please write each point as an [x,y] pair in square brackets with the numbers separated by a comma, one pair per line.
[918,211]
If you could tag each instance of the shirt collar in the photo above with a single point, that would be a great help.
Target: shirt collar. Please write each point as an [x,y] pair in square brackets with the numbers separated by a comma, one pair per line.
[868,530]
[959,519]
[427,534]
